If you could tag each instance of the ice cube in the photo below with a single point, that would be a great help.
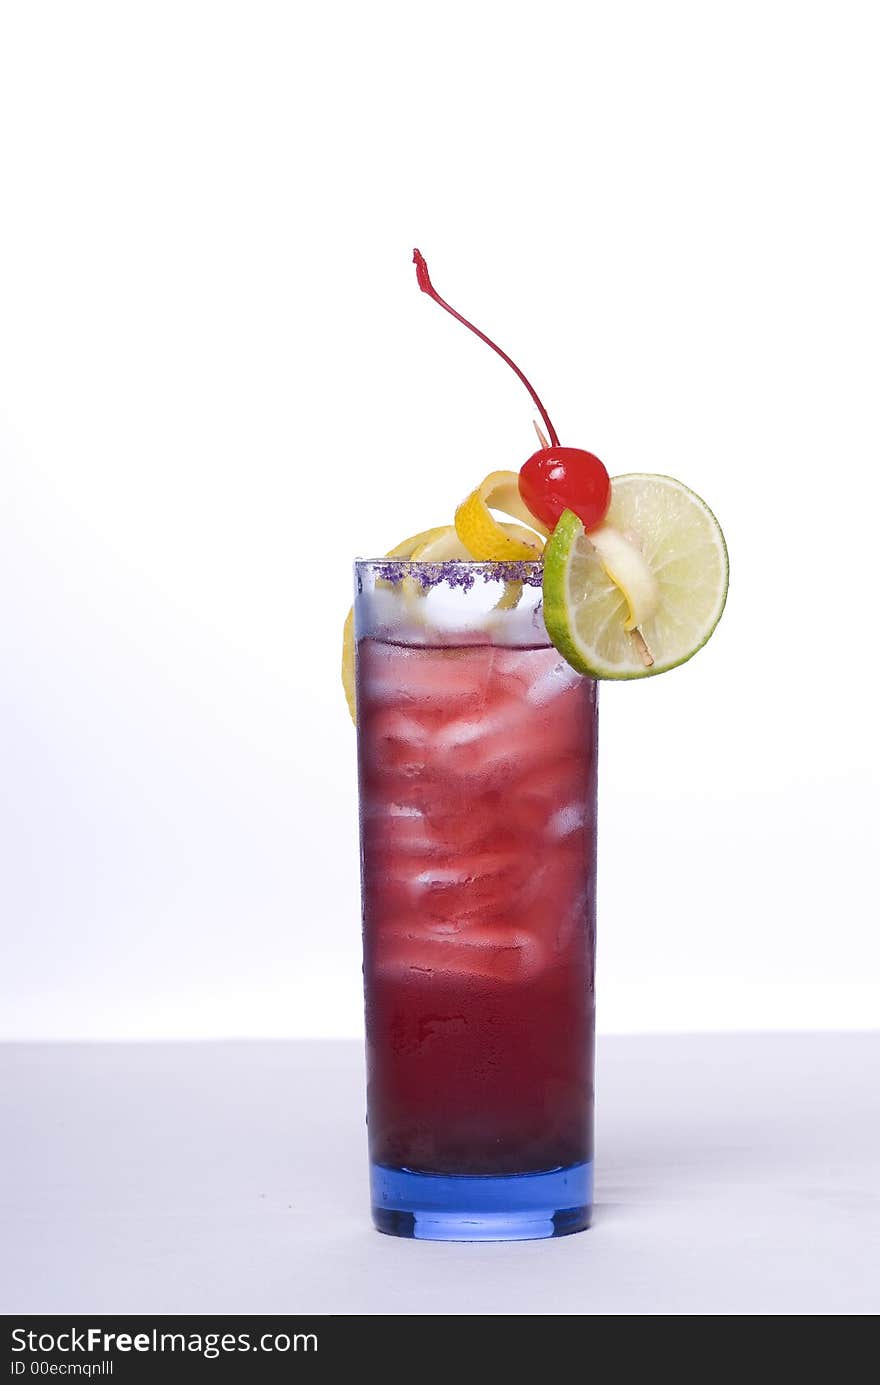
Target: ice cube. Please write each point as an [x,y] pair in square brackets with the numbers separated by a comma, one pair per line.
[462,731]
[496,951]
[396,743]
[550,684]
[567,820]
[396,827]
[423,679]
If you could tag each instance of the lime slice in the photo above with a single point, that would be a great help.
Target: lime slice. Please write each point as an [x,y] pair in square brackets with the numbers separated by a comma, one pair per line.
[673,535]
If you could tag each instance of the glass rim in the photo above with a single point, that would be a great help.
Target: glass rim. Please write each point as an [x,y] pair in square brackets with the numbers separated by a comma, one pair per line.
[456,572]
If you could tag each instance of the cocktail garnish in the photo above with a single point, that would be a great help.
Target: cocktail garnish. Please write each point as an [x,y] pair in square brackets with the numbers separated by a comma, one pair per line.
[555,478]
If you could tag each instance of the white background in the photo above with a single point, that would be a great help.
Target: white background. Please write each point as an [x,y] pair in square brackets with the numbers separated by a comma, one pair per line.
[218,383]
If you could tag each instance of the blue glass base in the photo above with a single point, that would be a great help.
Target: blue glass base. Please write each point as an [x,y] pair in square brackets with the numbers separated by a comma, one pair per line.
[447,1207]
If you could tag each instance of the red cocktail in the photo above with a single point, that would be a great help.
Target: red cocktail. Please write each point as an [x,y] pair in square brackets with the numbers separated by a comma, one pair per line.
[477,752]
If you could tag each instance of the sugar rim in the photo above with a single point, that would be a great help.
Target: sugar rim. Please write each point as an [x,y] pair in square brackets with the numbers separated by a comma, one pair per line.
[455,572]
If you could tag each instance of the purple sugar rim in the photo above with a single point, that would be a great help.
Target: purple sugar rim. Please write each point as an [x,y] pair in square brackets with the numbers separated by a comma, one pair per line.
[455,572]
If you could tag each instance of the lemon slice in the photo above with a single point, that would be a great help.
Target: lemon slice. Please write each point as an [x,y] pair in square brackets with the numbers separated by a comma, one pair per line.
[485,537]
[589,614]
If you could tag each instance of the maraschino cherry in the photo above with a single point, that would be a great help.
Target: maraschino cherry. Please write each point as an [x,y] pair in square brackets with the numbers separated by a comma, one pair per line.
[556,478]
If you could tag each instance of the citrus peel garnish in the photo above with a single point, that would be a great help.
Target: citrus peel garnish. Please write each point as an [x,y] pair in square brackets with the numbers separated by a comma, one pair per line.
[488,539]
[443,545]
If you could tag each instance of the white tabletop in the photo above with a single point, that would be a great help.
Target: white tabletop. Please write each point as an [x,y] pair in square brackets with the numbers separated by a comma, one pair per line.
[735,1175]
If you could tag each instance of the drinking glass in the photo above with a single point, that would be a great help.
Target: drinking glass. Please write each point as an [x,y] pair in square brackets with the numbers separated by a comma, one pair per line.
[477,748]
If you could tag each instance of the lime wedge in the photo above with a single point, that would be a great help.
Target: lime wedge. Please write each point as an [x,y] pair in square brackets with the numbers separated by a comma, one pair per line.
[675,537]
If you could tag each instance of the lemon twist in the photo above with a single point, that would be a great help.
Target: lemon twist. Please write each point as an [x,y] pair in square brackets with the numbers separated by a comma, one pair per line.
[485,537]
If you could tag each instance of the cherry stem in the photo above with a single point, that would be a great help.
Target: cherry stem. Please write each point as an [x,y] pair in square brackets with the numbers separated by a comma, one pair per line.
[427,287]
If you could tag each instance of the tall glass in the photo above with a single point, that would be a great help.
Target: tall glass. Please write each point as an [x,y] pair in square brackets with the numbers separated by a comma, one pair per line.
[477,752]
